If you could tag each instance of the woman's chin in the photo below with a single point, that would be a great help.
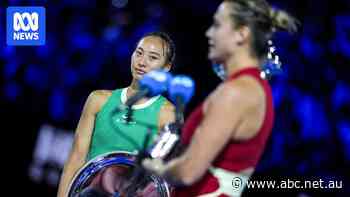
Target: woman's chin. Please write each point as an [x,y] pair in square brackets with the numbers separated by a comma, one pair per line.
[137,76]
[212,57]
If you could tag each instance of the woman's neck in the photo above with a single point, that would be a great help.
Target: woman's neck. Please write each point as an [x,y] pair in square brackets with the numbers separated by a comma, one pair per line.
[133,88]
[238,62]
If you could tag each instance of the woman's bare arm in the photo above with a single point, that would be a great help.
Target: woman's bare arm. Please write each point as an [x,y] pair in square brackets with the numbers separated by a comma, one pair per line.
[82,139]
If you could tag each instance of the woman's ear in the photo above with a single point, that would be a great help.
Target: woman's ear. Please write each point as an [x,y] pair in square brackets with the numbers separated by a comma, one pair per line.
[167,67]
[243,35]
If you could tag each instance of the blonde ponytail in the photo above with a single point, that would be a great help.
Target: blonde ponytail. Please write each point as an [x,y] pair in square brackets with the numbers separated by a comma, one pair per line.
[282,20]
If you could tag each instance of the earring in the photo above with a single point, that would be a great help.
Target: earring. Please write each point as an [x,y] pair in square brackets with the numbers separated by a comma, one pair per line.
[219,70]
[272,64]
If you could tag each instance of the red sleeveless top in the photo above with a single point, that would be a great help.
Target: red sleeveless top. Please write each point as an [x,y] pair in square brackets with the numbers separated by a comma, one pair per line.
[237,155]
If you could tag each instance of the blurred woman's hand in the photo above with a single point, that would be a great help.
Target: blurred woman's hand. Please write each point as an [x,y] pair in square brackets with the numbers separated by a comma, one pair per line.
[155,166]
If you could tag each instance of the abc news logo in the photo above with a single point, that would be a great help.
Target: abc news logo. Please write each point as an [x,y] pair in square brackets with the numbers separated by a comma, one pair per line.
[25,26]
[30,29]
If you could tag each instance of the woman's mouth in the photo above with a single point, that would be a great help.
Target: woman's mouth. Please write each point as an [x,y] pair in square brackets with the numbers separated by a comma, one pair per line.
[211,43]
[140,71]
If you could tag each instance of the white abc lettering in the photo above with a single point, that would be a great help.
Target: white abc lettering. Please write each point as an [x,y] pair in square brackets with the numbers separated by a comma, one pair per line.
[33,21]
[25,36]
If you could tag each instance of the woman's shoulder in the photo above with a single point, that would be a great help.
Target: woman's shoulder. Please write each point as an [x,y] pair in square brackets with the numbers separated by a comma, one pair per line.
[243,90]
[167,105]
[98,98]
[242,86]
[101,94]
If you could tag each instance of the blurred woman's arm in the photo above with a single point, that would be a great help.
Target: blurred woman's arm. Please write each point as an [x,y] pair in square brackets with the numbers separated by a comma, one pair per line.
[82,139]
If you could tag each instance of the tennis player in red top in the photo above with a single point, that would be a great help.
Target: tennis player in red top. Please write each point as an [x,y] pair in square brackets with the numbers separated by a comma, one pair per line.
[227,133]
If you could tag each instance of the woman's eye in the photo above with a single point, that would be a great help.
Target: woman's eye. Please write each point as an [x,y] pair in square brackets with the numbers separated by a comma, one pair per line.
[153,58]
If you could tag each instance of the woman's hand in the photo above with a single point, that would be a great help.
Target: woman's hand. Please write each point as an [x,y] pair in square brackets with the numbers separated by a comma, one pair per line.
[156,166]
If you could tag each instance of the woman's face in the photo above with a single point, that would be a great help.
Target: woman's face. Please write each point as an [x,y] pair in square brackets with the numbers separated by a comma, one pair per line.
[150,54]
[221,34]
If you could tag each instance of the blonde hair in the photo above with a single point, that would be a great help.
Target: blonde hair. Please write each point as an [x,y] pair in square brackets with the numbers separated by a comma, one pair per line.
[263,20]
[282,20]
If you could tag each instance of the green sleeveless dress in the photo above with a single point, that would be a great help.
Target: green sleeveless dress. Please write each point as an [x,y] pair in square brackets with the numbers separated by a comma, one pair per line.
[113,133]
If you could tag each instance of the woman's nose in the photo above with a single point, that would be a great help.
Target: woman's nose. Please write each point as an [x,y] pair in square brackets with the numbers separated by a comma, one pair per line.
[208,32]
[142,61]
